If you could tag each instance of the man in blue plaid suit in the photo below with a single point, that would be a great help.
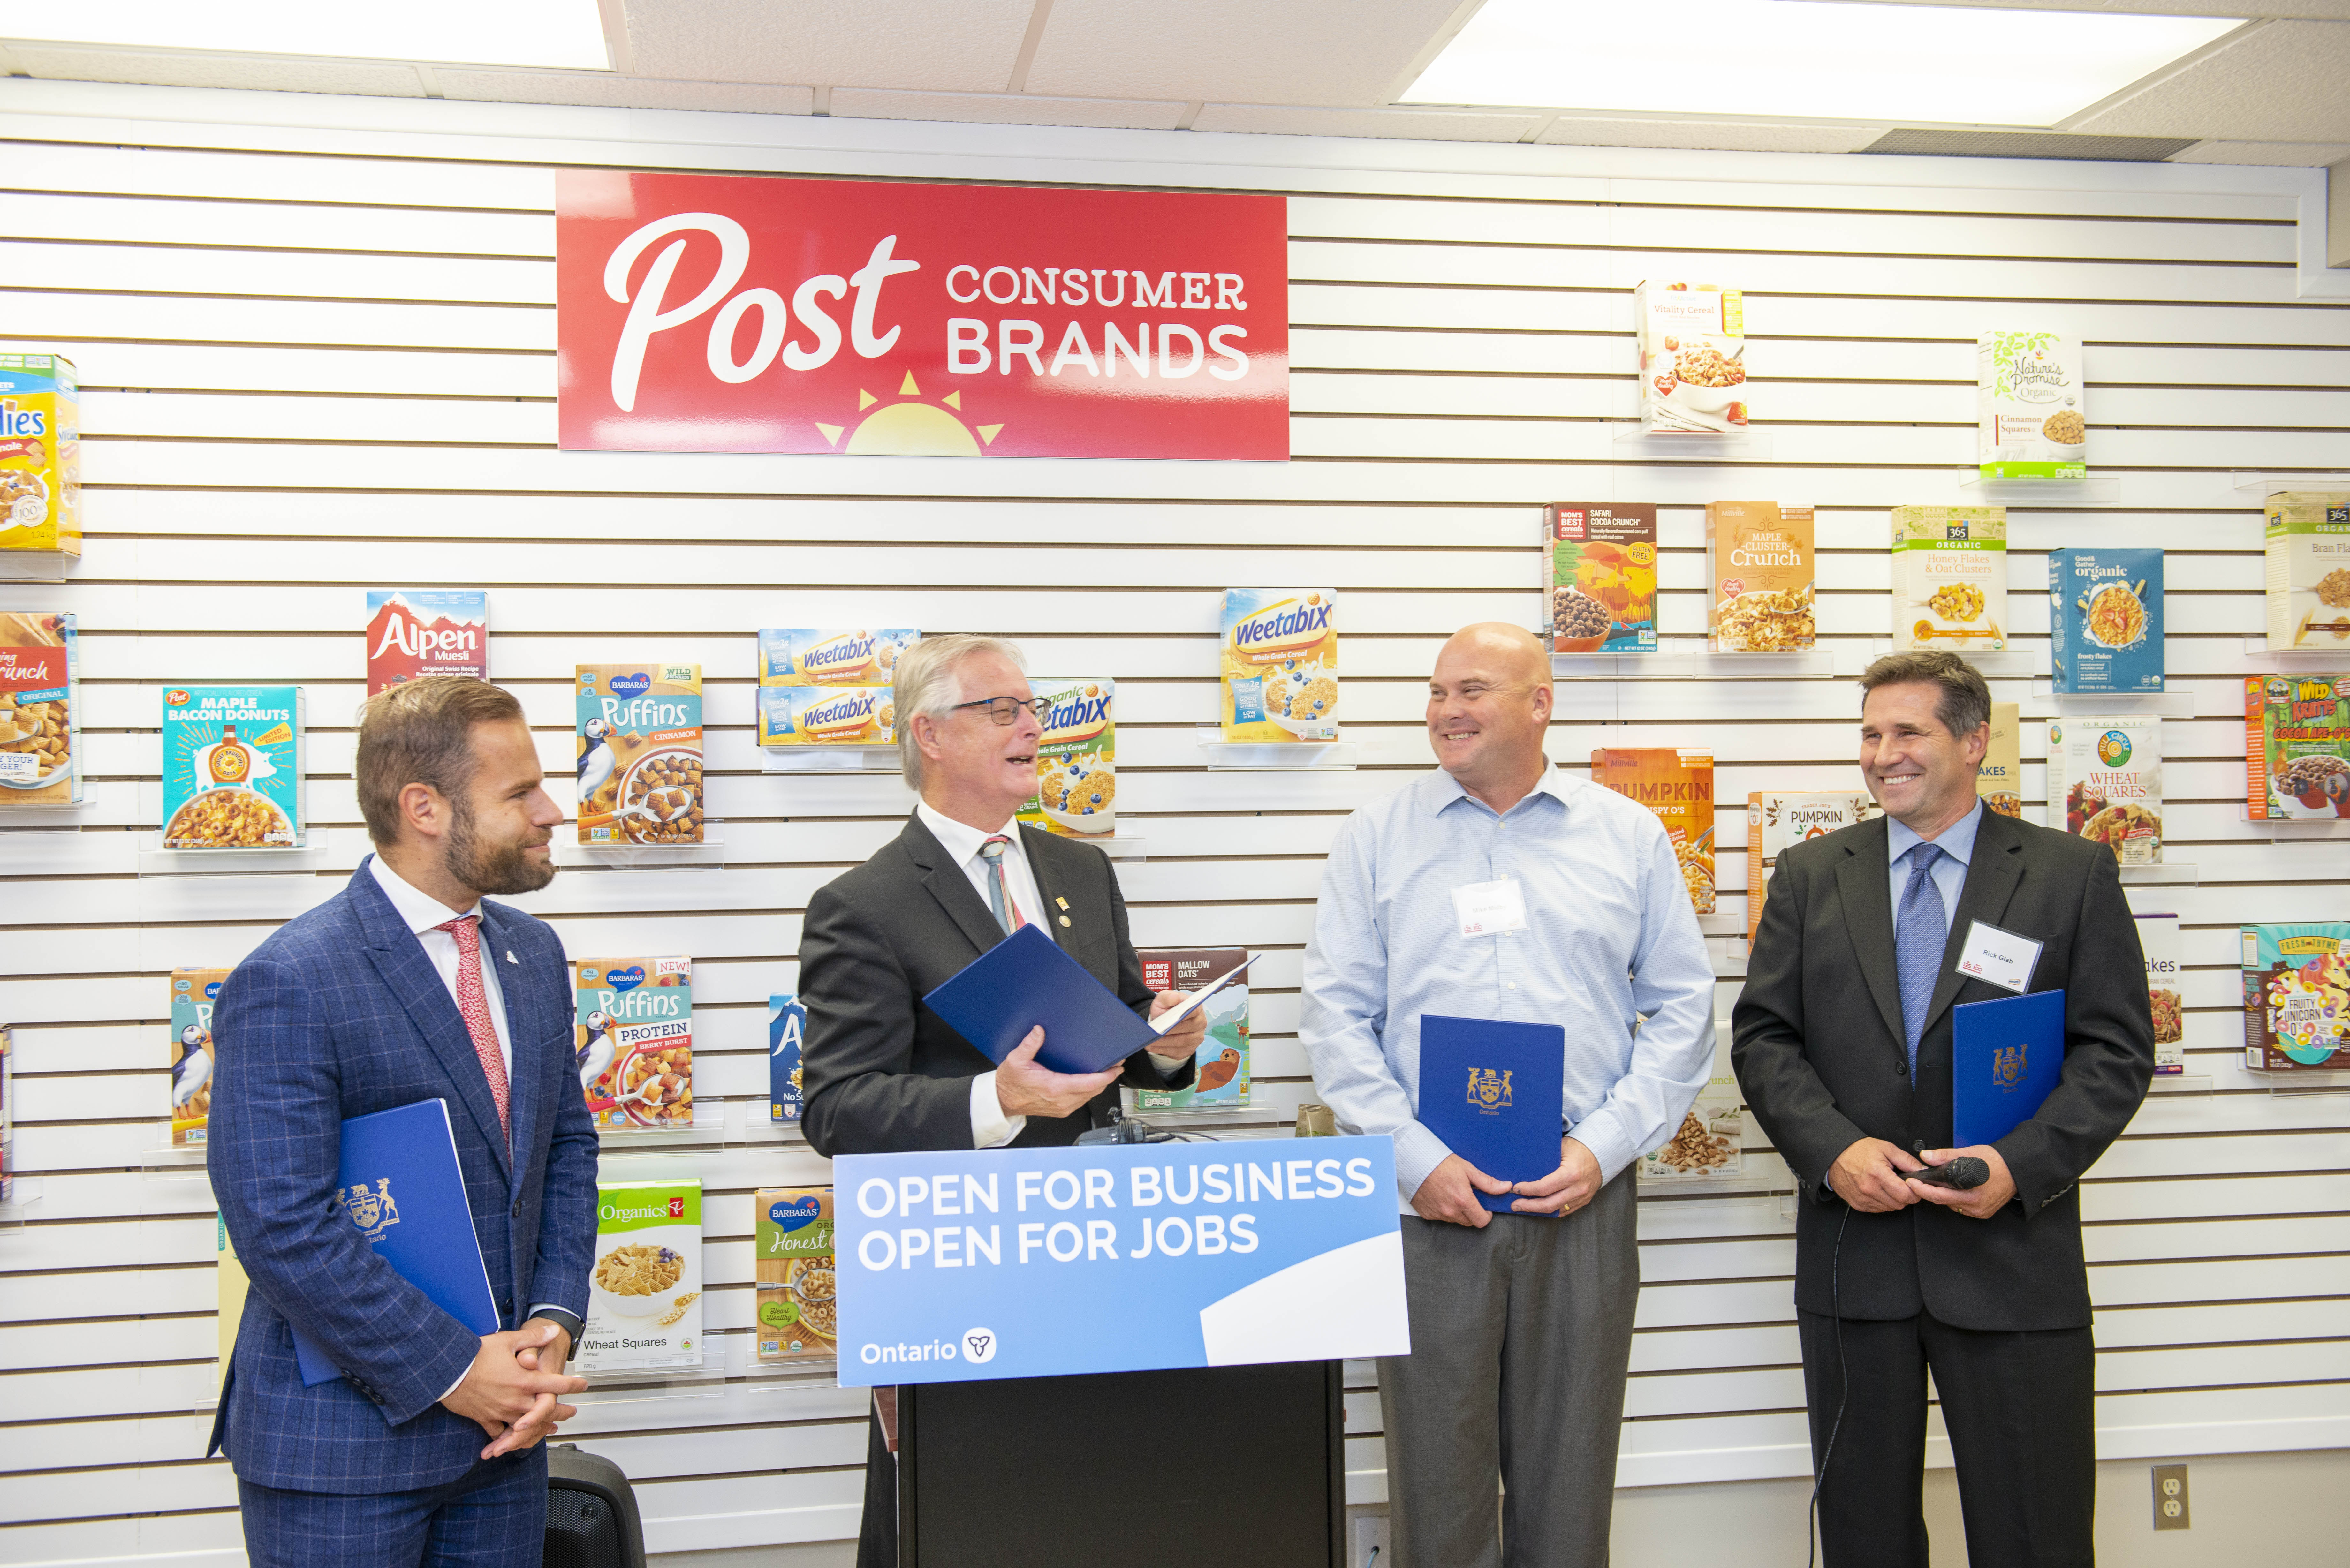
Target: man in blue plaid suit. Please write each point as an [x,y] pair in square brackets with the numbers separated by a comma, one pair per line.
[408,986]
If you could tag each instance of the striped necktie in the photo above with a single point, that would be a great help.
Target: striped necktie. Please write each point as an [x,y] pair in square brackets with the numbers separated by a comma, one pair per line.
[1919,934]
[999,891]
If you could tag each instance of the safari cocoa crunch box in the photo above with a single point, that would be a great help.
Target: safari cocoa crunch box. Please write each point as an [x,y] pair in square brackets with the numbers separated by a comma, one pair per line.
[1677,786]
[1759,562]
[638,749]
[1281,664]
[1602,565]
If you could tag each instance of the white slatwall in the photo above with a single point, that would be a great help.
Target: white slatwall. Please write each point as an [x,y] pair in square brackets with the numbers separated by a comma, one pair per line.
[318,334]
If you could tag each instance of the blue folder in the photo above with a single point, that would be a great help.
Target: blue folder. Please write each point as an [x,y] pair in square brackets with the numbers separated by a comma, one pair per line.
[2006,1056]
[1026,979]
[399,1183]
[1494,1092]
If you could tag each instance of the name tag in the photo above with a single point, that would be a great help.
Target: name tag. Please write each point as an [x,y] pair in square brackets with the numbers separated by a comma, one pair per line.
[1999,958]
[1489,908]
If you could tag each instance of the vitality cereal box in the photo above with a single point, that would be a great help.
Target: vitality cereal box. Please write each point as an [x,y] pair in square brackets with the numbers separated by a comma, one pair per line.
[1692,359]
[1776,819]
[1076,761]
[792,1231]
[1281,664]
[638,747]
[2105,619]
[1949,577]
[1677,786]
[1222,1080]
[2296,747]
[644,1290]
[194,992]
[2028,407]
[1711,1141]
[2104,775]
[805,656]
[2296,997]
[786,1034]
[1759,564]
[633,1040]
[1603,576]
[415,632]
[1999,777]
[2157,938]
[40,453]
[40,711]
[232,767]
[2309,569]
[828,716]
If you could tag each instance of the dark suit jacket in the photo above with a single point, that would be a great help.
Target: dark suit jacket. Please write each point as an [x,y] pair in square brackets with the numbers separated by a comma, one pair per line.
[337,1015]
[1820,1054]
[882,1073]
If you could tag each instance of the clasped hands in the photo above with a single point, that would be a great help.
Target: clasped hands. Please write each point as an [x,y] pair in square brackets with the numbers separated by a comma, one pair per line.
[1872,1176]
[1450,1192]
[510,1390]
[1026,1087]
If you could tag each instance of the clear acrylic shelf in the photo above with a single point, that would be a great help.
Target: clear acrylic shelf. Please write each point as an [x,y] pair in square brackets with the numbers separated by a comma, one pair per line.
[1725,446]
[1279,756]
[315,853]
[2302,1080]
[1684,663]
[2046,702]
[23,1206]
[2297,661]
[711,851]
[51,814]
[2097,490]
[2285,830]
[2180,1084]
[34,565]
[2170,872]
[829,760]
[2264,485]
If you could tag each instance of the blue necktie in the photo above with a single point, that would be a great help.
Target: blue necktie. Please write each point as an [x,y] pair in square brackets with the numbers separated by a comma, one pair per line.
[1919,935]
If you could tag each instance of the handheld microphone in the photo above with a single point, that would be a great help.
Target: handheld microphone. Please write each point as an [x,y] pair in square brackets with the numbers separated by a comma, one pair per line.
[1964,1173]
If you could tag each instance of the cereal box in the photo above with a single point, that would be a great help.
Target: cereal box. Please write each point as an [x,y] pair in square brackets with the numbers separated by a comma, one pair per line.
[2028,407]
[2157,938]
[802,656]
[1678,786]
[2104,775]
[232,1285]
[633,1040]
[2296,997]
[2309,569]
[1603,576]
[1281,664]
[2296,747]
[644,1292]
[7,1113]
[2105,621]
[1949,577]
[194,992]
[232,767]
[415,632]
[1776,819]
[1999,777]
[1222,1081]
[1692,359]
[40,454]
[828,716]
[792,1231]
[640,753]
[1758,566]
[1711,1141]
[40,711]
[1076,761]
[786,1034]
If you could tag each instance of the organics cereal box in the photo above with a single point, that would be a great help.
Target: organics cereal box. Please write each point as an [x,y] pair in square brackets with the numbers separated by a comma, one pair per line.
[1603,576]
[1221,1078]
[1281,664]
[792,1231]
[2104,776]
[1776,819]
[232,767]
[1692,359]
[1076,761]
[1759,564]
[805,656]
[40,453]
[2296,747]
[828,716]
[638,747]
[1677,786]
[644,1289]
[2028,407]
[415,632]
[1999,777]
[632,1040]
[786,1034]
[1949,577]
[1711,1141]
[2309,569]
[40,711]
[2296,997]
[194,992]
[2105,621]
[2157,938]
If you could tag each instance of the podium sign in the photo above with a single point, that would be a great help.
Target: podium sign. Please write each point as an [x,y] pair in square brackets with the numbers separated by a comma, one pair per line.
[1038,1262]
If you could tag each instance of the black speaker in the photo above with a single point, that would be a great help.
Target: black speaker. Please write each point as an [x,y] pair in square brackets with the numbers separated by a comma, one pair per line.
[591,1512]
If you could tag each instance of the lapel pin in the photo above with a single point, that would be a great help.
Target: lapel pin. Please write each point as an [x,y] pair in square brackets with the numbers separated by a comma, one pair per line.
[1064,904]
[512,960]
[1065,920]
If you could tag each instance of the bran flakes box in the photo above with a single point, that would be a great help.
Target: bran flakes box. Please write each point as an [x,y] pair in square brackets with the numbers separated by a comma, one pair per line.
[40,453]
[2105,621]
[1221,1078]
[232,767]
[806,656]
[1949,577]
[1776,819]
[2296,747]
[637,749]
[2157,939]
[1760,564]
[2104,782]
[632,1040]
[791,1228]
[2308,569]
[1677,786]
[1603,576]
[828,716]
[1076,761]
[1692,339]
[2296,997]
[2028,407]
[1999,780]
[1281,664]
[415,632]
[194,991]
[40,711]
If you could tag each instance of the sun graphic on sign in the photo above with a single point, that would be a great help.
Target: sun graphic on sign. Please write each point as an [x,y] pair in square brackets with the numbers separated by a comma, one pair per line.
[912,428]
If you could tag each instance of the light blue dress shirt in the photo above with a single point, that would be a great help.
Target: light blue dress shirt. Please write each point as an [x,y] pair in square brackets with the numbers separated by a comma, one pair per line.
[1957,846]
[1611,939]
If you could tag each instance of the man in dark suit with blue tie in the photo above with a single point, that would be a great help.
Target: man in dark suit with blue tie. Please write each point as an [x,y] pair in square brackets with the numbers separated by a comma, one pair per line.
[408,986]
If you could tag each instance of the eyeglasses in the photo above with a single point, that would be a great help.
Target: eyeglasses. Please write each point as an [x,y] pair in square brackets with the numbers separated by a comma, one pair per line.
[1002,709]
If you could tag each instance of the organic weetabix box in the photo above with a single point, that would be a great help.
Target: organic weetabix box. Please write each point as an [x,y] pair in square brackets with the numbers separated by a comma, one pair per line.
[1280,664]
[1677,786]
[40,453]
[2157,938]
[2104,782]
[2000,778]
[2296,996]
[194,993]
[1777,820]
[1758,568]
[1949,577]
[232,767]
[1692,359]
[2308,550]
[791,1232]
[1077,761]
[639,750]
[2296,747]
[2105,621]
[2028,407]
[1602,576]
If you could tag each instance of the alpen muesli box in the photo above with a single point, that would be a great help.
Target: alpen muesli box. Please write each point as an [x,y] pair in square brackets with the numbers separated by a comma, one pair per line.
[786,1041]
[637,749]
[2105,621]
[1949,577]
[415,632]
[791,1229]
[40,709]
[2296,996]
[1692,340]
[40,453]
[1778,819]
[1280,663]
[1223,1076]
[1677,786]
[632,1040]
[2104,782]
[194,991]
[2296,747]
[1758,568]
[2157,939]
[1602,575]
[2028,407]
[644,1289]
[1077,761]
[809,656]
[232,767]
[2308,569]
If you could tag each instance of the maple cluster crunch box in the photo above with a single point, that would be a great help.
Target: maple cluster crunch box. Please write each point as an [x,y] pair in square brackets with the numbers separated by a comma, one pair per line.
[1677,786]
[1759,565]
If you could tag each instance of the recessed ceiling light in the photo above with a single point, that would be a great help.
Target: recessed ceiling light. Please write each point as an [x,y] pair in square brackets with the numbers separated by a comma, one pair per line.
[1815,59]
[564,35]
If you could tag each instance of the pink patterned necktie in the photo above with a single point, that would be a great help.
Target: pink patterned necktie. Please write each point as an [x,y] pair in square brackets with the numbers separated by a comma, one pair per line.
[474,1003]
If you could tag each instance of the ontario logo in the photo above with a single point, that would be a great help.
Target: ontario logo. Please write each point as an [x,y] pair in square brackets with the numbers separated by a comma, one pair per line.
[2007,1065]
[373,1211]
[1489,1088]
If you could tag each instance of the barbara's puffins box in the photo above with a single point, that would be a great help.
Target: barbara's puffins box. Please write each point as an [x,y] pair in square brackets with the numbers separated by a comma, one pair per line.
[40,711]
[1692,359]
[786,1034]
[1076,761]
[639,750]
[1221,1078]
[803,656]
[2157,936]
[632,1040]
[415,632]
[1281,664]
[40,454]
[194,991]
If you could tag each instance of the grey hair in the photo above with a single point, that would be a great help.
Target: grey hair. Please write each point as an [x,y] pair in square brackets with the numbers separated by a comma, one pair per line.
[926,686]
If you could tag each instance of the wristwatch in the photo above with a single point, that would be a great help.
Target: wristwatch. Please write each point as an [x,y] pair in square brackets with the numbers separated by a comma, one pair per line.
[567,1321]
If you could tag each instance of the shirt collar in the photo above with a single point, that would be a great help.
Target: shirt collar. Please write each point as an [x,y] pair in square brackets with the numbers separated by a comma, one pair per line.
[1440,789]
[961,839]
[422,911]
[1957,841]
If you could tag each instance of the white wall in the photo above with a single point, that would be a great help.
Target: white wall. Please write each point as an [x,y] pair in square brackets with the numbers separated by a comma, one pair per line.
[317,337]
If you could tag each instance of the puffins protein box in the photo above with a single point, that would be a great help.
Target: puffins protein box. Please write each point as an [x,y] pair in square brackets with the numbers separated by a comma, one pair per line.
[2104,782]
[2105,621]
[1076,761]
[2296,997]
[786,1040]
[1677,786]
[1692,339]
[40,711]
[1949,578]
[1777,820]
[2157,938]
[1759,565]
[232,767]
[791,1229]
[40,453]
[2308,569]
[1602,576]
[1999,780]
[644,1288]
[1221,1079]
[415,632]
[2296,747]
[828,716]
[2028,407]
[194,993]
[802,656]
[639,753]
[1280,664]
[632,1040]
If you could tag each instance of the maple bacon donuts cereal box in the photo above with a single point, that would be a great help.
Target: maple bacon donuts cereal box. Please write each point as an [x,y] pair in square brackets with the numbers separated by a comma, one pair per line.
[40,453]
[1602,576]
[1076,761]
[638,749]
[1692,359]
[1759,565]
[232,767]
[1281,664]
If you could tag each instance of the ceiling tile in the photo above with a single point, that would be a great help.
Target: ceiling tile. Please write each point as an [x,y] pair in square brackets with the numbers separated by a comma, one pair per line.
[2276,154]
[968,46]
[1712,135]
[1006,109]
[1423,125]
[620,92]
[2282,82]
[265,73]
[1242,51]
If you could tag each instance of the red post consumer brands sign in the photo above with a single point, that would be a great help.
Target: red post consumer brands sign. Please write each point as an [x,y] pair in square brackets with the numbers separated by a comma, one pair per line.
[722,313]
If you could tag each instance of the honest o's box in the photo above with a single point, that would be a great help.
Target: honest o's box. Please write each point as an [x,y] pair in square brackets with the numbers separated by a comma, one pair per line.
[40,453]
[797,1312]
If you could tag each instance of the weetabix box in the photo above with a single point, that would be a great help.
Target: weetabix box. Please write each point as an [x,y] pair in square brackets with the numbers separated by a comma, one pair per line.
[2028,407]
[2296,747]
[1949,577]
[828,716]
[415,632]
[1076,761]
[2308,569]
[40,711]
[644,1289]
[1281,664]
[194,993]
[1776,819]
[639,750]
[2104,782]
[791,1229]
[1758,570]
[1603,576]
[787,1037]
[1677,786]
[1692,359]
[1222,1080]
[2296,997]
[40,453]
[2105,621]
[1999,780]
[232,767]
[2157,938]
[632,1040]
[806,656]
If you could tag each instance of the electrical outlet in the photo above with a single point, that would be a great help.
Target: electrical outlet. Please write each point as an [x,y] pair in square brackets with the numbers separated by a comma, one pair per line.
[2170,1497]
[1371,1542]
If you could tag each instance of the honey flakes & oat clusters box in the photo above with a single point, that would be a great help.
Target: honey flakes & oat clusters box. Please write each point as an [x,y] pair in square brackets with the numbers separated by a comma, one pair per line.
[1759,565]
[1692,339]
[1949,577]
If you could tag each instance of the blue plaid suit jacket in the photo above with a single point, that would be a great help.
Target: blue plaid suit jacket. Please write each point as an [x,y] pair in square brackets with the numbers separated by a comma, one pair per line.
[338,1015]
